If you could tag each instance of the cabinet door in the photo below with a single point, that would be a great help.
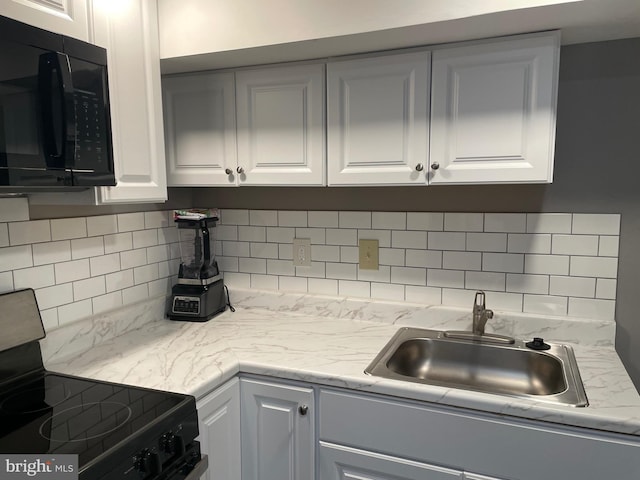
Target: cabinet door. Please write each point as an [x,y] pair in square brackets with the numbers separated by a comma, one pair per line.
[130,34]
[67,17]
[493,111]
[200,129]
[338,462]
[219,422]
[277,436]
[377,120]
[280,113]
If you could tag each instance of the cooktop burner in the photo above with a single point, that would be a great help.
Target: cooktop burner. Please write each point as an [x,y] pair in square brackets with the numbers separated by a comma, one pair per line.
[55,413]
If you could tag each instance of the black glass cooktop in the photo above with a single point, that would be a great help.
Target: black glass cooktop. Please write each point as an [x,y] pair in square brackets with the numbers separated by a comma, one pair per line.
[54,413]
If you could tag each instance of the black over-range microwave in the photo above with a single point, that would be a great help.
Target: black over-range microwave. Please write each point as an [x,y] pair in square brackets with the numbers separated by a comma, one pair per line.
[55,126]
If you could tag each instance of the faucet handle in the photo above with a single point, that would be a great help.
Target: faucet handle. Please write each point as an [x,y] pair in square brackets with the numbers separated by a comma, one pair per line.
[480,297]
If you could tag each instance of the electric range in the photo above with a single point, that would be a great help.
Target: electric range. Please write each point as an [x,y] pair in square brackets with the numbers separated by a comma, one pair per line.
[117,431]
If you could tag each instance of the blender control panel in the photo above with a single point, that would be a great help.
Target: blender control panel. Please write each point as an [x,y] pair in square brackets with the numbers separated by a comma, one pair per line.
[185,304]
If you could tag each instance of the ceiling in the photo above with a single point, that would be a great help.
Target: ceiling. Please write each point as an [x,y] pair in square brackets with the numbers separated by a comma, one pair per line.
[194,42]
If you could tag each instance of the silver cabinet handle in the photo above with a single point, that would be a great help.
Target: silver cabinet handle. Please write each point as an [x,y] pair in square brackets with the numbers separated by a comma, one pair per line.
[435,165]
[419,167]
[303,409]
[228,171]
[240,170]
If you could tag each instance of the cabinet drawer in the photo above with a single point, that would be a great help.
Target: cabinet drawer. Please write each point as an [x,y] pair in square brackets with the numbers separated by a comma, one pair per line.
[483,444]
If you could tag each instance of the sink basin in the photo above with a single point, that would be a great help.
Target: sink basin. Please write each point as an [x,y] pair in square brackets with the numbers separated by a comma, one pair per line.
[426,356]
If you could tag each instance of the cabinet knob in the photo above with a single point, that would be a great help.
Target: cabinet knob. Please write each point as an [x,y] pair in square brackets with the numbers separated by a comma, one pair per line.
[419,167]
[435,165]
[240,170]
[303,409]
[228,171]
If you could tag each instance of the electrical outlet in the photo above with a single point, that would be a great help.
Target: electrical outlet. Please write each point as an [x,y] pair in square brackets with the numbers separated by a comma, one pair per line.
[368,254]
[301,252]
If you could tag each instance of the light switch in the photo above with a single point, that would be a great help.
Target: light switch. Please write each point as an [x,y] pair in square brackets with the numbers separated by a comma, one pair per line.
[368,254]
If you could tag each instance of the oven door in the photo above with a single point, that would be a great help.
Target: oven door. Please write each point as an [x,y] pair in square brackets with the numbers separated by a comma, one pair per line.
[191,467]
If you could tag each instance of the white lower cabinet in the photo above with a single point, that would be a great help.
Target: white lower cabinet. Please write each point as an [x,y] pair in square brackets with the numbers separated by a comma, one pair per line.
[219,422]
[278,434]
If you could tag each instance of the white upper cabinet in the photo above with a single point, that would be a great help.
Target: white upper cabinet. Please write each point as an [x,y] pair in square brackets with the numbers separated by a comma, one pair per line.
[129,31]
[377,120]
[493,111]
[280,125]
[67,17]
[200,129]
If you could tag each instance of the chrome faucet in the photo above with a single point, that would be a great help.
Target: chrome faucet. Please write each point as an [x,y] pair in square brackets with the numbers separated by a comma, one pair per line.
[480,313]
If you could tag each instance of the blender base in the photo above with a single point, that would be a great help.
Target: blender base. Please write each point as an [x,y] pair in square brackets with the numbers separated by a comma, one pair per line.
[195,303]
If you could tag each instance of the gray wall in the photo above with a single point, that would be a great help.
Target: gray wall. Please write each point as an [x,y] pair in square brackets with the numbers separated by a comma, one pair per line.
[596,171]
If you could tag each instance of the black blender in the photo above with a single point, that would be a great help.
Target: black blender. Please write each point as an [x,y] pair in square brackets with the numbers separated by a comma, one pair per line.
[199,293]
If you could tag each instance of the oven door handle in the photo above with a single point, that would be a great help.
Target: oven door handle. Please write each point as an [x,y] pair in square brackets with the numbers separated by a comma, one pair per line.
[199,469]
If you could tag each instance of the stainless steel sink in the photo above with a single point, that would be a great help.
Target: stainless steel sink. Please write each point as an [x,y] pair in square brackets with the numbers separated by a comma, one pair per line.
[427,356]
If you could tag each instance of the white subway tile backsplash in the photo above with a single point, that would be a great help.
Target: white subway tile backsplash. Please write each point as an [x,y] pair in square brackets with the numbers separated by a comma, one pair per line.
[445,278]
[119,280]
[106,264]
[91,287]
[133,258]
[463,222]
[575,245]
[169,235]
[252,234]
[285,251]
[326,253]
[6,282]
[342,236]
[354,219]
[592,308]
[403,239]
[102,225]
[49,319]
[34,277]
[505,301]
[389,220]
[264,282]
[4,235]
[237,280]
[252,265]
[546,264]
[545,304]
[572,286]
[158,219]
[128,222]
[608,246]
[316,235]
[349,254]
[280,267]
[292,219]
[386,291]
[548,223]
[107,302]
[13,258]
[529,243]
[14,209]
[425,295]
[350,288]
[226,232]
[461,260]
[43,253]
[342,271]
[87,247]
[383,237]
[391,256]
[606,288]
[159,253]
[23,233]
[316,270]
[458,298]
[433,222]
[447,241]
[323,286]
[145,238]
[409,275]
[596,224]
[487,242]
[68,228]
[293,284]
[280,234]
[74,311]
[263,218]
[55,296]
[382,275]
[236,249]
[503,262]
[263,250]
[73,270]
[323,219]
[230,216]
[505,222]
[135,294]
[534,284]
[423,258]
[485,281]
[605,267]
[118,242]
[226,264]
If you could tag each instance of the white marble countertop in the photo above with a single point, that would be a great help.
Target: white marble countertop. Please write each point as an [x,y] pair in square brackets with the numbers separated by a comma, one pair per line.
[330,341]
